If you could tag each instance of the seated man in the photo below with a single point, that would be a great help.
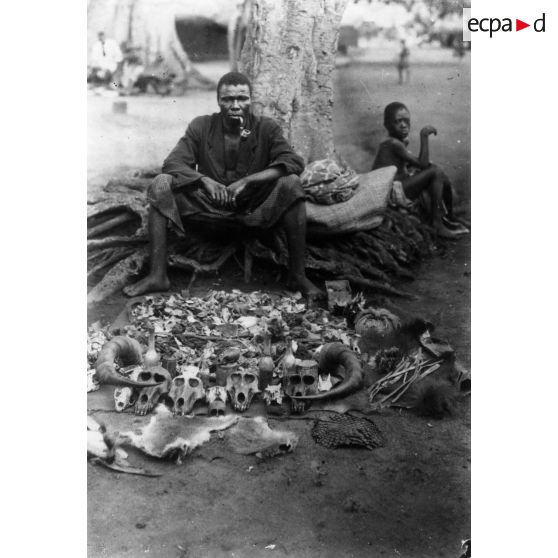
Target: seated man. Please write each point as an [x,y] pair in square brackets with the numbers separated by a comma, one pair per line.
[229,167]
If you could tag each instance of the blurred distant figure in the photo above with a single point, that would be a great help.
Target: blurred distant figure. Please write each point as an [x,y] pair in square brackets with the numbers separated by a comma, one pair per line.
[459,49]
[132,69]
[105,58]
[403,62]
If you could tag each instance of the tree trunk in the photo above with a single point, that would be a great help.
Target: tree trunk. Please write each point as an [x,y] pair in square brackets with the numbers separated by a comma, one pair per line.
[289,54]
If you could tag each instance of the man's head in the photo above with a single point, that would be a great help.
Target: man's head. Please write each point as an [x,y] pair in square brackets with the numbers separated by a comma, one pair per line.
[234,92]
[397,120]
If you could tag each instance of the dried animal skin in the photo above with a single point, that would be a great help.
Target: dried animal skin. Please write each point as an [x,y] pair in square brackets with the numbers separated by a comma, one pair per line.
[167,436]
[103,449]
[254,436]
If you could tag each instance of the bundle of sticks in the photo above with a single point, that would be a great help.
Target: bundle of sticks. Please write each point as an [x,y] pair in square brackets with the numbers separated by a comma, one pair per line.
[371,260]
[389,389]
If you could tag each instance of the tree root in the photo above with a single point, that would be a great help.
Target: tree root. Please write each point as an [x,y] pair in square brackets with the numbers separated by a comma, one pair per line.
[118,276]
[368,259]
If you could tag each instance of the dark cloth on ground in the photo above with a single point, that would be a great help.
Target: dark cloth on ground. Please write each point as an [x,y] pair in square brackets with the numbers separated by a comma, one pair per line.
[263,210]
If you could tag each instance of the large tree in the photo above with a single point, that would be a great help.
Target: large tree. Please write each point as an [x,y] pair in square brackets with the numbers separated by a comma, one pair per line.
[289,53]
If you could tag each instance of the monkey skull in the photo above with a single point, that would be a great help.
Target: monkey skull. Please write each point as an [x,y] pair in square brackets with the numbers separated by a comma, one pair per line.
[185,390]
[300,381]
[148,397]
[241,386]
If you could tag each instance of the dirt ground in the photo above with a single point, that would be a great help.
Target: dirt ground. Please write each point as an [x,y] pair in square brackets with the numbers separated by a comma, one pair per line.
[410,498]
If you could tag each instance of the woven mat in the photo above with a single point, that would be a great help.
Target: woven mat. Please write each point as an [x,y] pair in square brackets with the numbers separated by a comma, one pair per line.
[347,430]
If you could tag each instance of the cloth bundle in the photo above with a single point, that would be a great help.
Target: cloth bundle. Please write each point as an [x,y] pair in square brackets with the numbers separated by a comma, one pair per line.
[325,182]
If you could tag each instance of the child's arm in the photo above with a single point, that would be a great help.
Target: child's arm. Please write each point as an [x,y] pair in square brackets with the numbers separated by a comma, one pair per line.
[424,157]
[399,152]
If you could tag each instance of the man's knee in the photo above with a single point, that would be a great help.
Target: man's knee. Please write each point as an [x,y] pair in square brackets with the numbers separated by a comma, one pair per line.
[290,183]
[160,186]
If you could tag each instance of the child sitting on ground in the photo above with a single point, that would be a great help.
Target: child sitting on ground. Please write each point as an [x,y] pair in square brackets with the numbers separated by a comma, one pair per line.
[418,175]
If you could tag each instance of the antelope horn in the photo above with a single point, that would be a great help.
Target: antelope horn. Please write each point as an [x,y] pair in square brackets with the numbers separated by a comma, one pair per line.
[331,356]
[126,349]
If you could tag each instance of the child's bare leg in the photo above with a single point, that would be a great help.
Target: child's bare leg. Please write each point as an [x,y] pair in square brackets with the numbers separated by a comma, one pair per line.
[447,198]
[434,181]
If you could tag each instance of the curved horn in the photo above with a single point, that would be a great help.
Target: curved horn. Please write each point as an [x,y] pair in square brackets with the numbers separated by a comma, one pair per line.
[331,356]
[126,349]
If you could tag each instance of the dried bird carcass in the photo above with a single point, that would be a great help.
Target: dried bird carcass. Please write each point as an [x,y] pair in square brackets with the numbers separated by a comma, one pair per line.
[254,435]
[167,436]
[127,351]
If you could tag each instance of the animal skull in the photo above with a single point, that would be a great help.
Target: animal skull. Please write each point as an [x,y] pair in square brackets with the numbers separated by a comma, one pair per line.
[216,396]
[273,395]
[241,386]
[299,381]
[125,397]
[149,397]
[185,390]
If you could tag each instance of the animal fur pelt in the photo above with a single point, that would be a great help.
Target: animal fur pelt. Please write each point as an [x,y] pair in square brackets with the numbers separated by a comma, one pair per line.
[103,449]
[168,436]
[253,435]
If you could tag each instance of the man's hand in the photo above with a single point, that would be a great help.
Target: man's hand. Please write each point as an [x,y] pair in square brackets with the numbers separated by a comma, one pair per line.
[218,192]
[428,130]
[236,188]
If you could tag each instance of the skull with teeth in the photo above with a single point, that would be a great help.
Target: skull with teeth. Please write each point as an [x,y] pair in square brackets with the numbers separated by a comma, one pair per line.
[125,397]
[241,386]
[300,381]
[148,397]
[216,396]
[273,395]
[184,391]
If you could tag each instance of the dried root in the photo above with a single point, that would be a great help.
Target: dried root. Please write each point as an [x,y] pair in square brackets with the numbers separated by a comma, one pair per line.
[367,259]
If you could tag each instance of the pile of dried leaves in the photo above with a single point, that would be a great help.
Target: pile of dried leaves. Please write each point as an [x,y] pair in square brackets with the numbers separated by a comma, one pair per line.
[197,330]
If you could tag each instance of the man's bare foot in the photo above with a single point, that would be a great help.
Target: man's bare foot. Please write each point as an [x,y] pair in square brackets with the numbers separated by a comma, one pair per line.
[444,232]
[148,284]
[305,286]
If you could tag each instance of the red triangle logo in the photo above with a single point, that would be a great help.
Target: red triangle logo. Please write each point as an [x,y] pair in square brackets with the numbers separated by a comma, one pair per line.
[519,25]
